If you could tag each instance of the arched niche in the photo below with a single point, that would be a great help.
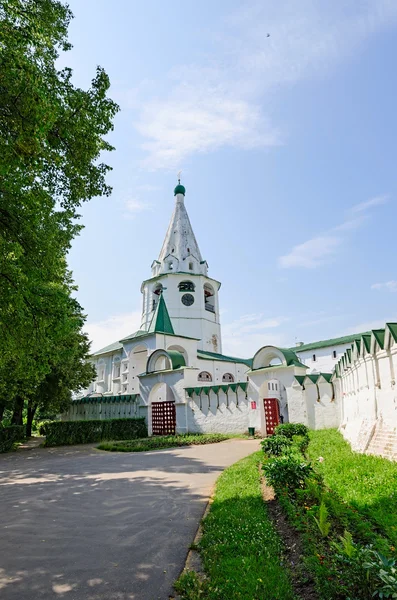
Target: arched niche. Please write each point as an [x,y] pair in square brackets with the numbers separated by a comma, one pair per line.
[268,356]
[165,360]
[161,392]
[181,350]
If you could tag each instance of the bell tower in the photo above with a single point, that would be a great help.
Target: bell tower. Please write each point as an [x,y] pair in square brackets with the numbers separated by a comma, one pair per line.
[181,275]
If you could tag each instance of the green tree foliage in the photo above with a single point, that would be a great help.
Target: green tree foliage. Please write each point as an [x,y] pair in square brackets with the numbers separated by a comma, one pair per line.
[52,135]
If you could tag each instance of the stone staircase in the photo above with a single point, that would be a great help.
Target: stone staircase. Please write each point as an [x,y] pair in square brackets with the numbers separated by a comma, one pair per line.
[383,442]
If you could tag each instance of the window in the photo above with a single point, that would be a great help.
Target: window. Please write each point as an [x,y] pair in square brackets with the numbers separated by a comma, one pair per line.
[190,266]
[209,298]
[314,358]
[204,376]
[171,266]
[268,386]
[333,353]
[186,286]
[116,370]
[228,378]
[157,291]
[100,372]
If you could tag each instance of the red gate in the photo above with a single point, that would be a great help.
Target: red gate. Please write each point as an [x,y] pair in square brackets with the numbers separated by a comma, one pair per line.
[163,418]
[272,414]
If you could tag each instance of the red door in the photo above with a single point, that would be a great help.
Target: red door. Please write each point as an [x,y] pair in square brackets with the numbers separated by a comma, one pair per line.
[272,414]
[163,418]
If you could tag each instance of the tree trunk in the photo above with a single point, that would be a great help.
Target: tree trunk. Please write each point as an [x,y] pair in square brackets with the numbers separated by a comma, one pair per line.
[17,417]
[29,418]
[2,409]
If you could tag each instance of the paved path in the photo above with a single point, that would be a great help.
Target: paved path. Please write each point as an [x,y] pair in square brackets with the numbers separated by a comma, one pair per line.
[77,523]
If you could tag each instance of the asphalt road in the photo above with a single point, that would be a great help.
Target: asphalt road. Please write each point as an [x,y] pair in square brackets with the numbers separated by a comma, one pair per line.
[77,523]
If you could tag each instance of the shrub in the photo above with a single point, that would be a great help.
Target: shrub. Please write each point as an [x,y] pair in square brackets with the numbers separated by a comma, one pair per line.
[290,429]
[276,445]
[300,442]
[287,472]
[63,433]
[10,435]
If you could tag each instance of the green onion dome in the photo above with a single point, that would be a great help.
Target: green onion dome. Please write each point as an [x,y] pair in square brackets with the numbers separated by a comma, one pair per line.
[179,189]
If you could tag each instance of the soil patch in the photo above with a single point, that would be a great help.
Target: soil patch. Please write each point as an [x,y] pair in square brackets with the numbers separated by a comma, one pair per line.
[302,582]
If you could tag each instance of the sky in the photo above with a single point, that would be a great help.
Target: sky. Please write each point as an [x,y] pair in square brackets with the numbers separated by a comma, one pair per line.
[282,117]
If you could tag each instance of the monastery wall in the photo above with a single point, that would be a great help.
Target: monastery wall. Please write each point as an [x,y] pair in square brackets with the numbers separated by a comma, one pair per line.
[366,389]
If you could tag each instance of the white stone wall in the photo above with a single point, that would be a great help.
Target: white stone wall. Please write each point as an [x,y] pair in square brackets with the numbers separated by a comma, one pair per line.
[325,362]
[368,395]
[218,414]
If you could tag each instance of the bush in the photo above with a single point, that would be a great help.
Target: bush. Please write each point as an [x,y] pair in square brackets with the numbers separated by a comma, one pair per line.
[276,445]
[10,435]
[290,429]
[64,433]
[287,472]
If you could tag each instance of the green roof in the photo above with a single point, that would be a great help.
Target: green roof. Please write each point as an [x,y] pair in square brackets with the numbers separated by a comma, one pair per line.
[367,341]
[326,343]
[327,376]
[300,379]
[379,335]
[393,330]
[111,348]
[206,355]
[313,378]
[161,322]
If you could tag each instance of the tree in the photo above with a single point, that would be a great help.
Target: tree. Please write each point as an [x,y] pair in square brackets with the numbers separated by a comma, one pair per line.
[52,135]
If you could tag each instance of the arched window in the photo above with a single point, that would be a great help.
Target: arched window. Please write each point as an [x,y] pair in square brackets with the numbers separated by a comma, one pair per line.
[209,299]
[100,369]
[228,378]
[186,286]
[204,376]
[157,291]
[116,368]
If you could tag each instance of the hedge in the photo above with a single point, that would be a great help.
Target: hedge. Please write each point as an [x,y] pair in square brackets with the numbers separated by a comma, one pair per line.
[64,433]
[10,435]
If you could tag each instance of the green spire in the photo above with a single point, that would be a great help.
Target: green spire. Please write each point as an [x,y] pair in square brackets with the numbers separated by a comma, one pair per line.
[161,322]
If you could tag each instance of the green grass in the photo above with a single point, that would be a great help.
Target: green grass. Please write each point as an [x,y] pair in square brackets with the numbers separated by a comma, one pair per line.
[166,441]
[367,483]
[240,549]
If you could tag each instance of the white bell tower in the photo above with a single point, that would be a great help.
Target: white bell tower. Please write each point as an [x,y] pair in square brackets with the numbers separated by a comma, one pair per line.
[180,274]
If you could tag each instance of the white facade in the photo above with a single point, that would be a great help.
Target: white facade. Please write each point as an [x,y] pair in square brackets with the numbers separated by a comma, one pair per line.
[176,359]
[321,359]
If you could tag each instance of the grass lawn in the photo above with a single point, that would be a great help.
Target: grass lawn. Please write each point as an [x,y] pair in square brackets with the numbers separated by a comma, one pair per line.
[166,441]
[240,549]
[367,483]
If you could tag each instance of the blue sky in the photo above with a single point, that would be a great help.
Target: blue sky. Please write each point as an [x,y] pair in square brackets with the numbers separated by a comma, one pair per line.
[287,145]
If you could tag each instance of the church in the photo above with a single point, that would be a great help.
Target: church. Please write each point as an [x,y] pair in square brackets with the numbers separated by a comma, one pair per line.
[172,370]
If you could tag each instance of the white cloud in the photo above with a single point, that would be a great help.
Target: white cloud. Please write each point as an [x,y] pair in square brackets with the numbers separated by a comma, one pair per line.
[242,340]
[364,206]
[219,102]
[390,286]
[134,206]
[112,329]
[320,250]
[311,254]
[190,123]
